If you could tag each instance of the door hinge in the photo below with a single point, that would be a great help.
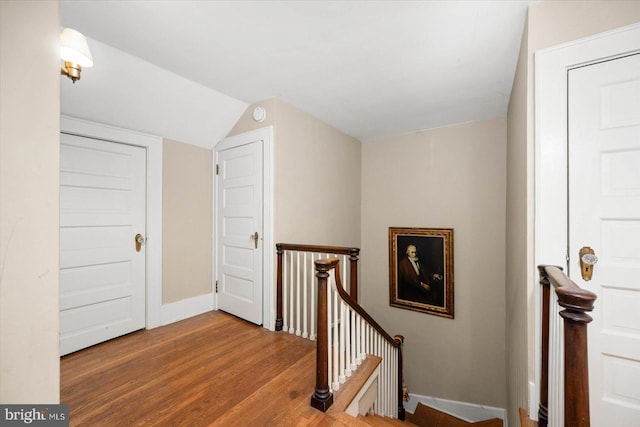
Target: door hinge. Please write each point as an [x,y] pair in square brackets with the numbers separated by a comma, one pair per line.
[216,286]
[217,169]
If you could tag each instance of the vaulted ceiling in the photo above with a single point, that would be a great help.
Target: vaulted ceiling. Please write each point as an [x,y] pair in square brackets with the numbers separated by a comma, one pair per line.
[369,68]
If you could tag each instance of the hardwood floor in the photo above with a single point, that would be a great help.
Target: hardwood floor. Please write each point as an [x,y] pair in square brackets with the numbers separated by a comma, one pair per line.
[525,421]
[210,370]
[213,369]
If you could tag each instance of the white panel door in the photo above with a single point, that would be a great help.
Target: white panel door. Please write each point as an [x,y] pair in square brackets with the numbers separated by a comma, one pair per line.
[102,208]
[604,214]
[239,251]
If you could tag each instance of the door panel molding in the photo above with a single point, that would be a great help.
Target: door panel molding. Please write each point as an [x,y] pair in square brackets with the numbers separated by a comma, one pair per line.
[604,214]
[153,145]
[268,254]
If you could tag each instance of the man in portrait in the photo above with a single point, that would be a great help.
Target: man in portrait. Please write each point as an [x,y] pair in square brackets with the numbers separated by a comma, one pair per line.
[416,283]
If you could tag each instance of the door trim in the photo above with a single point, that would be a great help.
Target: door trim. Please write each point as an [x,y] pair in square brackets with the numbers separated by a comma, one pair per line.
[550,155]
[268,254]
[153,145]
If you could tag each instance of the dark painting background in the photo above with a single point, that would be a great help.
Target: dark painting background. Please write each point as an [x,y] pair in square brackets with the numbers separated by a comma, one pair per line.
[430,251]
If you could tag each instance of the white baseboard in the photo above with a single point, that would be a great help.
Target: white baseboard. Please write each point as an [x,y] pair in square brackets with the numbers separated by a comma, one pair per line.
[466,411]
[186,308]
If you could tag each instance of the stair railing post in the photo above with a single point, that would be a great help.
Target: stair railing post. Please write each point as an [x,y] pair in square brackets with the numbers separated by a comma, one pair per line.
[576,365]
[322,397]
[353,275]
[543,411]
[279,321]
[401,412]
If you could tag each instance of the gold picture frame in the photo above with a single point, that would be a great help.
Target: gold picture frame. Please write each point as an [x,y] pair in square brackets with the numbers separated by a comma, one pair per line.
[421,270]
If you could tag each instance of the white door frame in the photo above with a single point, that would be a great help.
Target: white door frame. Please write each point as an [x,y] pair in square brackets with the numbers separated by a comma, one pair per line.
[268,252]
[153,145]
[551,234]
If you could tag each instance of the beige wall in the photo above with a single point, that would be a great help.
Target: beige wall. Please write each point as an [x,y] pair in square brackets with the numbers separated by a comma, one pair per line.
[554,22]
[317,181]
[186,221]
[549,23]
[246,123]
[317,177]
[451,177]
[29,210]
[518,247]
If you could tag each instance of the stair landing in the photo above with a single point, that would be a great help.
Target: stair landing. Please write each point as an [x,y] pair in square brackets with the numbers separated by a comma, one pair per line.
[213,369]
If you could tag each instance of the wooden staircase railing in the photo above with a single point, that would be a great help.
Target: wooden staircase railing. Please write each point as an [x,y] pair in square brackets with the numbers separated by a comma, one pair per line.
[295,281]
[312,302]
[574,303]
[346,333]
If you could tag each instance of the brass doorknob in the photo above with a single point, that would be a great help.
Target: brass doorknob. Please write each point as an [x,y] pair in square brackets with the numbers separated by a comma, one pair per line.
[139,239]
[255,238]
[588,259]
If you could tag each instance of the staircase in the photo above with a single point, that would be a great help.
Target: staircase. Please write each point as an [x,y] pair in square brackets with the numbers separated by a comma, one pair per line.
[314,300]
[358,364]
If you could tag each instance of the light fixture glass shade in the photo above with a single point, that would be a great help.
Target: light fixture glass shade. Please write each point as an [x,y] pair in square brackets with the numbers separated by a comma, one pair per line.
[74,48]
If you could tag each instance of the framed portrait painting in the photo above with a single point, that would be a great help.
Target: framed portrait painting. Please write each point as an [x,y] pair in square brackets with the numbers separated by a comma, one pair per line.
[421,270]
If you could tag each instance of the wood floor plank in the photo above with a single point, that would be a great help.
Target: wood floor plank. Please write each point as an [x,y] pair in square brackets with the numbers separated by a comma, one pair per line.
[213,369]
[151,376]
[267,409]
[189,373]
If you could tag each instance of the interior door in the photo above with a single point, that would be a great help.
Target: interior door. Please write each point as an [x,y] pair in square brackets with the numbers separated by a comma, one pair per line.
[604,214]
[102,268]
[239,230]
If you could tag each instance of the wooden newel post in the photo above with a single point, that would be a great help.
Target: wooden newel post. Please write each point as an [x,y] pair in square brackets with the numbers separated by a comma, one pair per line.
[543,411]
[576,366]
[353,276]
[401,412]
[279,321]
[322,397]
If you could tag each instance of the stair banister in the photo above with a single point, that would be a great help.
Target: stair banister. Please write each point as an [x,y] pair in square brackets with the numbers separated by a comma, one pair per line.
[322,397]
[353,254]
[576,302]
[401,412]
[543,410]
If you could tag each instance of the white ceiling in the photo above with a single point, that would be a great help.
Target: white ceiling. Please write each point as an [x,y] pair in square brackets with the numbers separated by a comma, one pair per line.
[370,68]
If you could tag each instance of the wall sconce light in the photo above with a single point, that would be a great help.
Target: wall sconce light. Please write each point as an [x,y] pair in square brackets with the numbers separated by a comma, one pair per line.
[74,52]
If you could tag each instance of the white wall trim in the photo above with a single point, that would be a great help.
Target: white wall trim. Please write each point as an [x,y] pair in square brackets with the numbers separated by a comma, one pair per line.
[550,127]
[268,253]
[533,406]
[269,244]
[356,408]
[186,308]
[153,145]
[467,411]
